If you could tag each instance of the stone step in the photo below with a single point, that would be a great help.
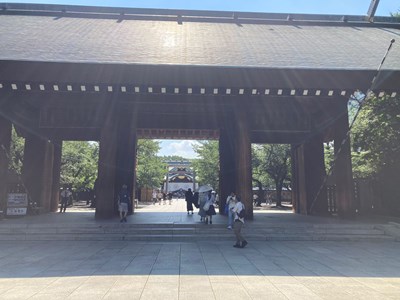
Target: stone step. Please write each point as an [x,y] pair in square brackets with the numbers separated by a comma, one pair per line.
[189,232]
[176,231]
[191,238]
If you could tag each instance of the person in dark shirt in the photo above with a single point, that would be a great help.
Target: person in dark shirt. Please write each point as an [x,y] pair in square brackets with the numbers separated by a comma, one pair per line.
[123,203]
[189,201]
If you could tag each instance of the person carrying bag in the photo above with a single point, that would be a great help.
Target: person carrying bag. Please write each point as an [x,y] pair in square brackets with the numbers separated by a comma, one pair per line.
[209,206]
[240,212]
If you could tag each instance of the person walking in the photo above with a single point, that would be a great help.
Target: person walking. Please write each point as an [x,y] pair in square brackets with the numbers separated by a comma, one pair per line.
[154,196]
[65,195]
[202,201]
[239,211]
[123,202]
[196,199]
[231,202]
[159,197]
[189,201]
[211,209]
[169,195]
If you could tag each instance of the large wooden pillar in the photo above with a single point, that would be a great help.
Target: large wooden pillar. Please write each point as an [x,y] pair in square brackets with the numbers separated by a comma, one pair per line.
[297,178]
[106,167]
[243,159]
[38,170]
[5,141]
[343,170]
[55,192]
[308,170]
[126,156]
[227,167]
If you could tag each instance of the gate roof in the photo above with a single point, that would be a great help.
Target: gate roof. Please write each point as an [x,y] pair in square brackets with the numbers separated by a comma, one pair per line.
[61,67]
[73,34]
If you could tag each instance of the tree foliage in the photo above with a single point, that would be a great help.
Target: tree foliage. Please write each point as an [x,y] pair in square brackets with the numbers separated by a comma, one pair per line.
[396,15]
[329,155]
[207,165]
[16,155]
[259,175]
[376,146]
[272,160]
[174,158]
[150,168]
[79,164]
[376,136]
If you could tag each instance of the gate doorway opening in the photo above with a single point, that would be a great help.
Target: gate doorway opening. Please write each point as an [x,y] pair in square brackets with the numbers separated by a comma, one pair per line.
[271,176]
[172,167]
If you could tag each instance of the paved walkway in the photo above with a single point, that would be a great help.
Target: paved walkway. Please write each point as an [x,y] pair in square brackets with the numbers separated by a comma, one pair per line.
[176,213]
[213,270]
[263,270]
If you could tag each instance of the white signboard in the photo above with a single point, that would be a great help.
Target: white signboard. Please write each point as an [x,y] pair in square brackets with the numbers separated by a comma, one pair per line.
[17,200]
[17,204]
[16,211]
[176,186]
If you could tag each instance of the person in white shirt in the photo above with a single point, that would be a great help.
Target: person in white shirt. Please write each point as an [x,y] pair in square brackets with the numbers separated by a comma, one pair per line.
[238,224]
[231,202]
[159,197]
[154,196]
[65,195]
[211,209]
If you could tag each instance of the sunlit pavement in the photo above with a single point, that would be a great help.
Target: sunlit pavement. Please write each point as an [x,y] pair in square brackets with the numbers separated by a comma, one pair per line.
[197,270]
[263,270]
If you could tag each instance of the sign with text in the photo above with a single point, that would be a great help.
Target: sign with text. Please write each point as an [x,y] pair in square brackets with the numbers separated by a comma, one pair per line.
[16,211]
[17,200]
[17,204]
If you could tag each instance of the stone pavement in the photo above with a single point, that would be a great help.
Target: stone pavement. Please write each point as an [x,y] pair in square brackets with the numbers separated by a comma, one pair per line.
[195,270]
[176,213]
[136,270]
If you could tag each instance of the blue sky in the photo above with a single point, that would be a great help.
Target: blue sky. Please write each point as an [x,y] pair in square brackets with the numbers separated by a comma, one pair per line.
[347,7]
[337,7]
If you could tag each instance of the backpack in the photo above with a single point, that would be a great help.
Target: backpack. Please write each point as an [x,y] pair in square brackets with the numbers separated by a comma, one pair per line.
[241,214]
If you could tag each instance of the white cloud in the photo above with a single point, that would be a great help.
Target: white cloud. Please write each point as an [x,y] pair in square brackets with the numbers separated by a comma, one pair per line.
[182,148]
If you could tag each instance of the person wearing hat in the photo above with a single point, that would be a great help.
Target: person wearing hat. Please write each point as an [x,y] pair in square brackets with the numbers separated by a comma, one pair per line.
[123,202]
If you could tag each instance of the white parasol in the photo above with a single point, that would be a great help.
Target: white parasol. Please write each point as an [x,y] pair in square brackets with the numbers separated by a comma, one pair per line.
[204,189]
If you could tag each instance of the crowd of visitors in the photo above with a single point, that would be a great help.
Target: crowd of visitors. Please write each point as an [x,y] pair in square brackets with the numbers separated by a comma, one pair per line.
[205,201]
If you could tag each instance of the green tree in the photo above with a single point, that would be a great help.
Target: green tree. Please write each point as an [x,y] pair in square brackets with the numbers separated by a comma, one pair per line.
[16,155]
[207,165]
[396,15]
[376,146]
[274,159]
[376,135]
[174,158]
[260,177]
[329,155]
[79,164]
[150,168]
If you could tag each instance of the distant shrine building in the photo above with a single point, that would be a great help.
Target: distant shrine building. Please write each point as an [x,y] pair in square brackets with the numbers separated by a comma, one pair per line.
[114,75]
[180,177]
